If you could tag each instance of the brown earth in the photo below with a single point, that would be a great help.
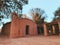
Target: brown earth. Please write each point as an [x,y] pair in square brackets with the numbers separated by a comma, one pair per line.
[33,40]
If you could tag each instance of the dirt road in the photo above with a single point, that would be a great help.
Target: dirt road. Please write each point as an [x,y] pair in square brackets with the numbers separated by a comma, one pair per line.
[34,40]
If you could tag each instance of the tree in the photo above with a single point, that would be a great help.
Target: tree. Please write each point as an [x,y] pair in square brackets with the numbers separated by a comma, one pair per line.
[37,14]
[57,14]
[1,17]
[9,6]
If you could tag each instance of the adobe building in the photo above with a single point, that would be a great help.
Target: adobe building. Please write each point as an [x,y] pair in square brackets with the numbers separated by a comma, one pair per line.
[19,27]
[53,27]
[48,29]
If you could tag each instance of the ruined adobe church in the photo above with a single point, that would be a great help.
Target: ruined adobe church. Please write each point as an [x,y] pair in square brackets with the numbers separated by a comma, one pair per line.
[19,27]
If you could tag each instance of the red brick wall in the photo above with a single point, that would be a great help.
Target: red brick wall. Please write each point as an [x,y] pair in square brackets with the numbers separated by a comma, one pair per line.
[59,25]
[14,28]
[18,27]
[6,29]
[32,27]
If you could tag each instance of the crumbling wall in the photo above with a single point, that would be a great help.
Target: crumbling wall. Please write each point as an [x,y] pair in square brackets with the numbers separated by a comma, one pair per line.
[6,29]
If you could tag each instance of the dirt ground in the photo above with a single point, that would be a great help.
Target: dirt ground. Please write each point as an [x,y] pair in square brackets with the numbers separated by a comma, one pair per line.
[33,40]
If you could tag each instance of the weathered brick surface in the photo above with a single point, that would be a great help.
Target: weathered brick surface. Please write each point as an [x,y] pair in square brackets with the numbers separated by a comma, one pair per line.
[6,29]
[17,27]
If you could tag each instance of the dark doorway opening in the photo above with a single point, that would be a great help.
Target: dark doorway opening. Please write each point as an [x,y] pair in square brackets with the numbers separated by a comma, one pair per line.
[27,29]
[56,29]
[40,30]
[50,29]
